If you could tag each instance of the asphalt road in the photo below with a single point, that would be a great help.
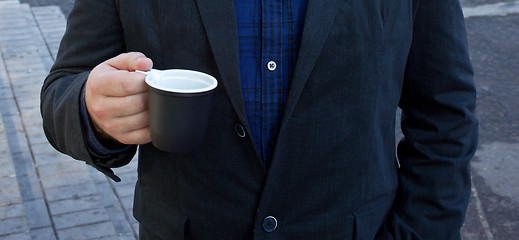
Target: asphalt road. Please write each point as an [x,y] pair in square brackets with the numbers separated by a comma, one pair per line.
[494,46]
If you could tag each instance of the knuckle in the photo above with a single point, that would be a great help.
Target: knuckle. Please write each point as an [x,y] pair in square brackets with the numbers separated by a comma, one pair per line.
[128,139]
[126,86]
[124,140]
[111,127]
[99,110]
[142,103]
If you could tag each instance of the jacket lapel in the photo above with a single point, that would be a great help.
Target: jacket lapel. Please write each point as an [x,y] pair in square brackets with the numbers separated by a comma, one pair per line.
[318,22]
[219,19]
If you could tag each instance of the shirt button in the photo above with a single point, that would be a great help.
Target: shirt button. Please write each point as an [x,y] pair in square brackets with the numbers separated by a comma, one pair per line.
[238,128]
[271,66]
[270,224]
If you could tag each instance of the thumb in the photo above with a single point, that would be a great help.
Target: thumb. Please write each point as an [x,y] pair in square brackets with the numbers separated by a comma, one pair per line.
[130,61]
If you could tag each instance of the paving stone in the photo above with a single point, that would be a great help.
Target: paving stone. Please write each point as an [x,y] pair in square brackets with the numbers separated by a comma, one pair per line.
[53,35]
[66,179]
[30,188]
[11,211]
[75,204]
[109,238]
[13,225]
[10,197]
[125,236]
[42,148]
[24,88]
[33,121]
[17,44]
[119,219]
[127,178]
[38,139]
[12,123]
[12,38]
[128,204]
[23,163]
[80,218]
[93,231]
[17,236]
[53,27]
[5,155]
[30,112]
[97,176]
[8,24]
[70,192]
[47,12]
[131,218]
[50,158]
[61,167]
[47,16]
[130,167]
[107,194]
[4,146]
[43,234]
[29,102]
[7,170]
[37,214]
[8,184]
[17,144]
[24,81]
[5,92]
[8,107]
[125,190]
[135,227]
[33,65]
[20,63]
[26,50]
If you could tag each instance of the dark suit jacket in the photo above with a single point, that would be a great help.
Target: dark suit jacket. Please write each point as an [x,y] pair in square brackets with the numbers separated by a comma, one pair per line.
[334,173]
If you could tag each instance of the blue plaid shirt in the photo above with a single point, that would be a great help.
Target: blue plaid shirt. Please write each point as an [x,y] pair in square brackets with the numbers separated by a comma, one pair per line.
[269,34]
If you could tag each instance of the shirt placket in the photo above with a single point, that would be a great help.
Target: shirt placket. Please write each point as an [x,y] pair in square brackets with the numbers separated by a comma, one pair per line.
[272,68]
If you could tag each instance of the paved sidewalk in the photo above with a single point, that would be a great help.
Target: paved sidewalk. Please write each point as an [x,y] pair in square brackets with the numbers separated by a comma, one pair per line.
[44,194]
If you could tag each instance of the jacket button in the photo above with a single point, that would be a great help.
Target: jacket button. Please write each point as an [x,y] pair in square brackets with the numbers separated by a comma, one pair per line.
[238,128]
[270,224]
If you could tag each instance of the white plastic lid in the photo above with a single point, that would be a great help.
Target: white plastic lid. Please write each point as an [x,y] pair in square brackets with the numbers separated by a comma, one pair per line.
[180,80]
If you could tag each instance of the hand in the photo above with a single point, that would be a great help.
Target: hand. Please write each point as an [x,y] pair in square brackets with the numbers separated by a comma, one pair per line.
[116,98]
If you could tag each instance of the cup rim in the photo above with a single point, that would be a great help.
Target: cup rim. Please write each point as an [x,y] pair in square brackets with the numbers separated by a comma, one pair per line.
[213,83]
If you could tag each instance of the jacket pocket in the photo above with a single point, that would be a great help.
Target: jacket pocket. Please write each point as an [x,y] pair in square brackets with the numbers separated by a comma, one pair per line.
[371,218]
[162,219]
[396,229]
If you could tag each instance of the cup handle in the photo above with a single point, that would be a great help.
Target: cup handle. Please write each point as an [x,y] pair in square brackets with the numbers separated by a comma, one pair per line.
[143,72]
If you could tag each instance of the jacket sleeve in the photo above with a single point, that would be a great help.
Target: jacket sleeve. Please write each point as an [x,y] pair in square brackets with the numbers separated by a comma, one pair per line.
[439,125]
[94,34]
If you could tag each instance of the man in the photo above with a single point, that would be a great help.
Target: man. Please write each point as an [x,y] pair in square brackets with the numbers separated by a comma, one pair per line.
[300,142]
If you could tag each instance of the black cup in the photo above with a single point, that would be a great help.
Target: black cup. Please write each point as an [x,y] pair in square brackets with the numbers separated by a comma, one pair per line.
[179,108]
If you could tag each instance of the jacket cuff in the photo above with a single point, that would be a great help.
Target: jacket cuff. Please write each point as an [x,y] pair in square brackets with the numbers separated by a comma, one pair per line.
[104,156]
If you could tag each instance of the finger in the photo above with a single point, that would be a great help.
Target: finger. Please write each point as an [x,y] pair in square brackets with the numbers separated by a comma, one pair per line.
[120,84]
[130,62]
[139,136]
[126,106]
[123,125]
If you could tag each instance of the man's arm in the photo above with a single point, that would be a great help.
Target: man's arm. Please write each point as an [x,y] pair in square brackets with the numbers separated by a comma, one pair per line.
[439,125]
[90,39]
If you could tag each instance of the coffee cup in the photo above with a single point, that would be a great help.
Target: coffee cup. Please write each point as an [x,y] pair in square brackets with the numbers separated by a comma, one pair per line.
[179,108]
